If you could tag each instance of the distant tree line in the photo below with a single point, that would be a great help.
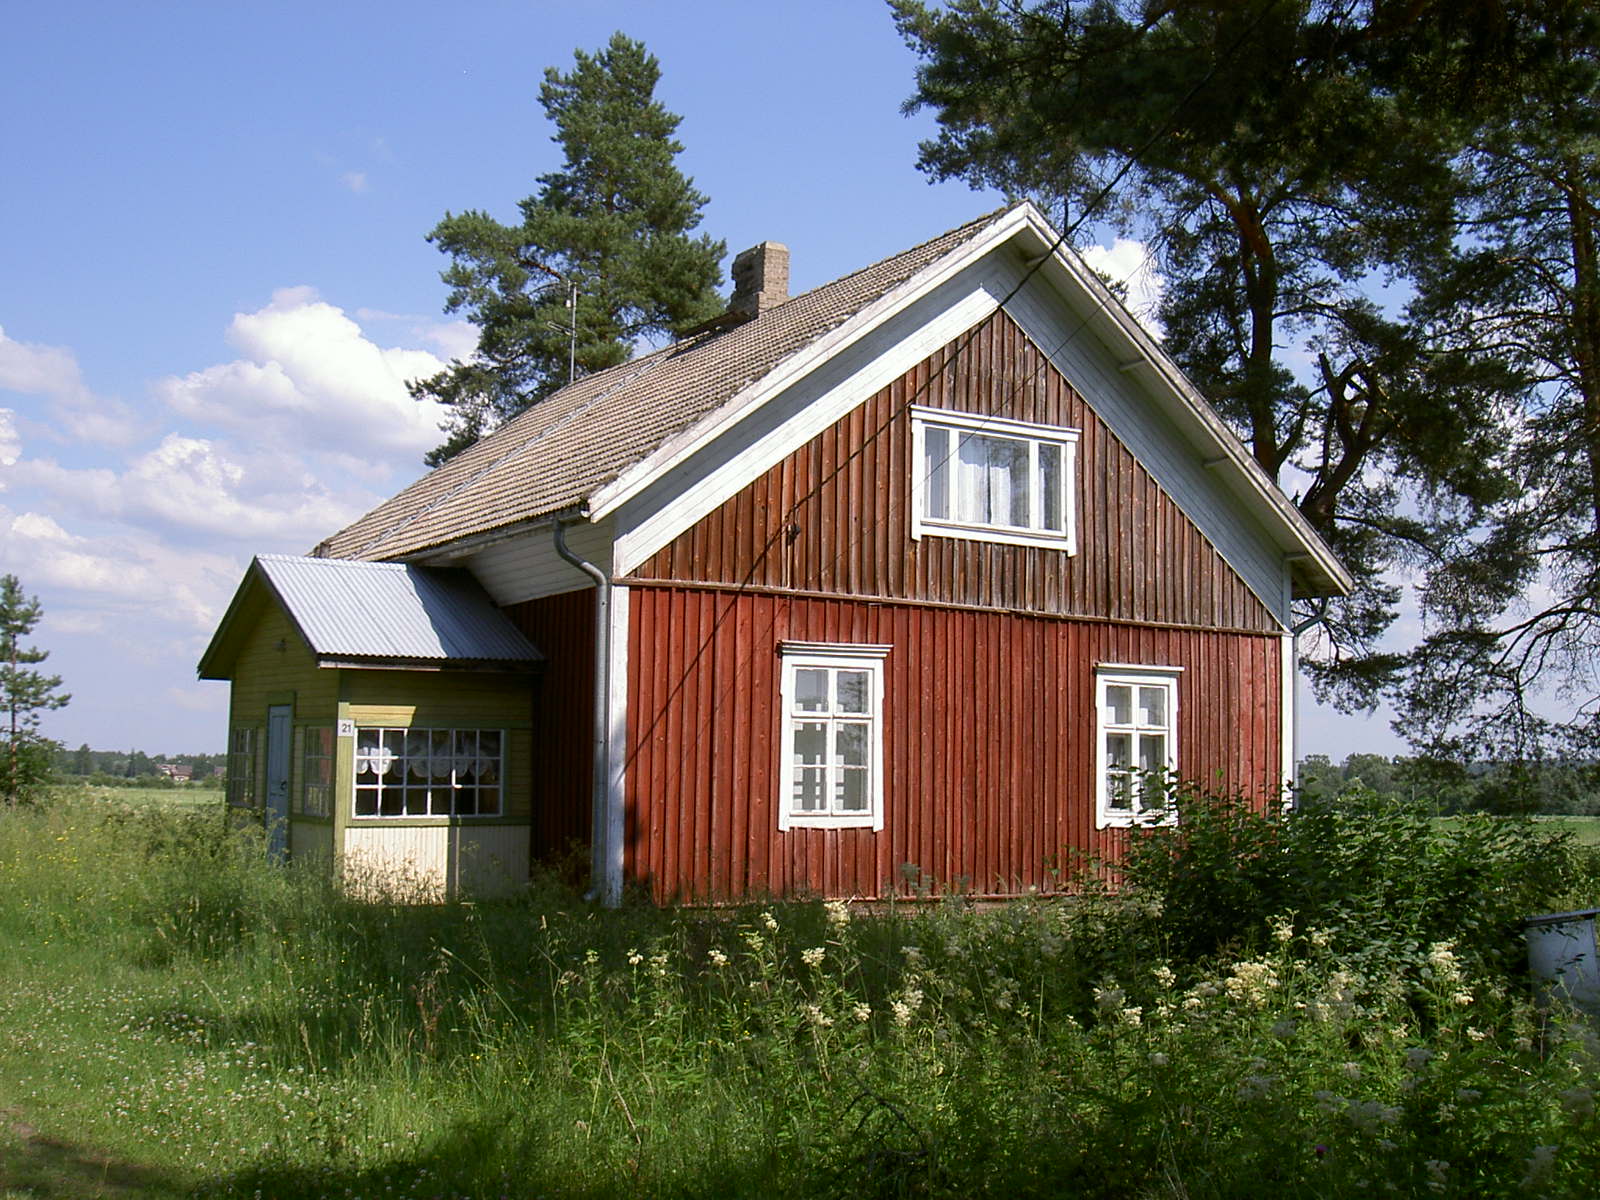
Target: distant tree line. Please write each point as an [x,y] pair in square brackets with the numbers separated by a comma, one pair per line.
[1569,789]
[134,767]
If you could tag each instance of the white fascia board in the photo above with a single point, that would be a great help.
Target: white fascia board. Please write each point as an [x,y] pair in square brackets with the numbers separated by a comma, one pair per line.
[1189,409]
[786,420]
[680,446]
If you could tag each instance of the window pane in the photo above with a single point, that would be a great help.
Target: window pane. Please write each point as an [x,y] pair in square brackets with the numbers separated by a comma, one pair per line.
[811,689]
[852,690]
[810,743]
[936,472]
[489,743]
[808,783]
[972,480]
[850,792]
[1119,704]
[368,740]
[1153,706]
[1008,478]
[366,802]
[1153,752]
[1050,487]
[466,801]
[851,742]
[1119,750]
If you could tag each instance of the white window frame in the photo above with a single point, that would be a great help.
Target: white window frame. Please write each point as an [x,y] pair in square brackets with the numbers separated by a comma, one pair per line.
[1108,675]
[922,525]
[831,656]
[398,761]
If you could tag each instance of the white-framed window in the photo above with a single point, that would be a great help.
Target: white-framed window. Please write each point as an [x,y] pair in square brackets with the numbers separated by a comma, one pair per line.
[428,772]
[993,479]
[832,757]
[1136,737]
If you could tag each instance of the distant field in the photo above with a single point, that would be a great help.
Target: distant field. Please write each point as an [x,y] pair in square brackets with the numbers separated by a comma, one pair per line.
[186,797]
[1585,829]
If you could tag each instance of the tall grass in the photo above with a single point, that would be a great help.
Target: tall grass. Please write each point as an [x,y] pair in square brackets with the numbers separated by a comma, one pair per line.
[1223,1027]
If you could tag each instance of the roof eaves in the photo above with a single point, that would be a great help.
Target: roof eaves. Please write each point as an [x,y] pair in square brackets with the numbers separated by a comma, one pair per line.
[675,449]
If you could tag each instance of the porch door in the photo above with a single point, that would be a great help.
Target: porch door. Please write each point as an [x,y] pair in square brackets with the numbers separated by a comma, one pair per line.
[279,737]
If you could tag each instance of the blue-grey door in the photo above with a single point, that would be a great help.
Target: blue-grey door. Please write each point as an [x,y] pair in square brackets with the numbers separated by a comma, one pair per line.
[279,735]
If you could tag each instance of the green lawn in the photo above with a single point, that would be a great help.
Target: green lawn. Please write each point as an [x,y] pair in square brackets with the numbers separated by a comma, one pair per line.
[180,1018]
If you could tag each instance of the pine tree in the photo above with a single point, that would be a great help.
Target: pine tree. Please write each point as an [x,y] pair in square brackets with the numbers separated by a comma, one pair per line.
[610,230]
[24,694]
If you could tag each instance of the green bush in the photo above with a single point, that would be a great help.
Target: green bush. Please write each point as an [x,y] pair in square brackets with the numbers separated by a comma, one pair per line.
[1380,874]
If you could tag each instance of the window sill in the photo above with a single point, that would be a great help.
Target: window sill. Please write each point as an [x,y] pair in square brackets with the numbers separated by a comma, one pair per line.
[1003,534]
[867,822]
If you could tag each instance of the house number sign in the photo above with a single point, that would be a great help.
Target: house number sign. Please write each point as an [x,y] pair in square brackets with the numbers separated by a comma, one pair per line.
[347,727]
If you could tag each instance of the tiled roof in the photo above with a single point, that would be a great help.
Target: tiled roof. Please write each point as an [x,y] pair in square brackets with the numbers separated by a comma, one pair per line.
[562,450]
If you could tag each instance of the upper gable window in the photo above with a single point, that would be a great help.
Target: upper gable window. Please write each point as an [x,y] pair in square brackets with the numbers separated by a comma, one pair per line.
[993,479]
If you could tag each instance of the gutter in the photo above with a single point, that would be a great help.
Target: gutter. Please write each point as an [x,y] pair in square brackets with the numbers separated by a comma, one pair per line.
[599,770]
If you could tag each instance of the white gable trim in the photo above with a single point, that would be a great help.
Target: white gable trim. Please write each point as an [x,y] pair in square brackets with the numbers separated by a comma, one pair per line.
[676,449]
[704,478]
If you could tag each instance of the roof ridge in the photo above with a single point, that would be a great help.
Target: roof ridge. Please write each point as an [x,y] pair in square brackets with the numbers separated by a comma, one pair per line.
[644,365]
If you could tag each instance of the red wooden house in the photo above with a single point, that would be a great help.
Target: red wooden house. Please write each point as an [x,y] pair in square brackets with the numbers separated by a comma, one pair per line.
[918,575]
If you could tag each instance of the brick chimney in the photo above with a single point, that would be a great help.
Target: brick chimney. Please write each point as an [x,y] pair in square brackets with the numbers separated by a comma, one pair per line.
[760,279]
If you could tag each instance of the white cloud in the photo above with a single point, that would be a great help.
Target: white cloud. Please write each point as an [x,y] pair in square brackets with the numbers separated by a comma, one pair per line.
[1127,261]
[10,442]
[310,378]
[52,372]
[355,181]
[132,579]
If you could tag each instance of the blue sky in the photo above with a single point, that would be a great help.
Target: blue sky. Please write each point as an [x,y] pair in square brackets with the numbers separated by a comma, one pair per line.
[214,280]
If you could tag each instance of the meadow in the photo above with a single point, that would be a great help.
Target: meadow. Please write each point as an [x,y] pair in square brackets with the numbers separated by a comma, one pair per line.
[1329,1005]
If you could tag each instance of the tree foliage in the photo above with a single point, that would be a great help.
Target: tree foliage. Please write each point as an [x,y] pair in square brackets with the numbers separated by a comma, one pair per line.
[1377,227]
[615,221]
[1264,155]
[25,692]
[1520,610]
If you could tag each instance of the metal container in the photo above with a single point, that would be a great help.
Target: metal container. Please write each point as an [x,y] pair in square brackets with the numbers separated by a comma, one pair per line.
[1561,955]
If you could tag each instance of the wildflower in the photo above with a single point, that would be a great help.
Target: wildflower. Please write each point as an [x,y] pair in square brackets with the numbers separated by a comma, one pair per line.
[913,956]
[861,1012]
[1579,1101]
[717,958]
[1462,997]
[902,1013]
[1256,1087]
[1132,1016]
[1476,1035]
[1350,1070]
[1159,1059]
[1250,983]
[634,958]
[770,921]
[754,940]
[1320,938]
[1283,930]
[591,957]
[1108,999]
[817,1017]
[658,964]
[1438,1170]
[838,912]
[1165,975]
[1540,1163]
[1443,963]
[813,956]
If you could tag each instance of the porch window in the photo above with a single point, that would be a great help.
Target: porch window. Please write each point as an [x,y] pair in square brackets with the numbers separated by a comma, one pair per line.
[993,479]
[1137,738]
[429,772]
[316,771]
[832,764]
[242,766]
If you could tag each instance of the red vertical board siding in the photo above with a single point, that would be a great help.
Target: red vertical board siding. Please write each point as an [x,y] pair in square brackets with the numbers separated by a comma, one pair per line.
[989,742]
[834,516]
[562,627]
